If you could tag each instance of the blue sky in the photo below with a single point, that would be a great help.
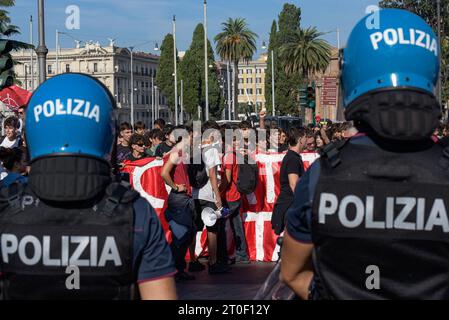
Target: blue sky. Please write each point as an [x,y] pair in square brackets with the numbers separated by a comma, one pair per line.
[136,21]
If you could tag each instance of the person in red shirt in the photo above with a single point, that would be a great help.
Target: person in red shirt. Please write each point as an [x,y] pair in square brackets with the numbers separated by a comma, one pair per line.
[231,197]
[180,210]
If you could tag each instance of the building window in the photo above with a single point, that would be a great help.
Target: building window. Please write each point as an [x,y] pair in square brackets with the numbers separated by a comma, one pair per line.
[154,73]
[142,71]
[249,80]
[95,67]
[249,71]
[143,84]
[67,68]
[49,69]
[241,80]
[250,91]
[147,85]
[240,71]
[241,92]
[258,80]
[259,91]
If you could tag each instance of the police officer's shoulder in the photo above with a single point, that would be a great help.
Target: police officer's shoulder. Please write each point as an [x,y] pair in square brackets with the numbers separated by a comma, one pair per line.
[10,196]
[121,192]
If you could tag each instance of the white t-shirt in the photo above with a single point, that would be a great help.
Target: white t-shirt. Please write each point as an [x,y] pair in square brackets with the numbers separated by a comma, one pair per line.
[6,143]
[211,158]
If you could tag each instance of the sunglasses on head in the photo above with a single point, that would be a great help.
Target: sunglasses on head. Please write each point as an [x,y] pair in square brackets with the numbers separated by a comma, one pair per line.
[140,144]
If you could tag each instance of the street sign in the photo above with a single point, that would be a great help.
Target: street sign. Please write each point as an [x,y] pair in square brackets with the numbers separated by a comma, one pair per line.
[329,91]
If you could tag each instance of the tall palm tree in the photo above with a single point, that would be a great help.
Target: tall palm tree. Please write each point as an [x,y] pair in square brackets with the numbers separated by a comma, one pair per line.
[235,43]
[306,53]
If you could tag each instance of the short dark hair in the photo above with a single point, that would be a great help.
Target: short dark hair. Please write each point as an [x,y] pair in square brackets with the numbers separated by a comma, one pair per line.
[168,129]
[294,135]
[125,126]
[139,125]
[136,138]
[11,122]
[160,122]
[245,125]
[157,133]
[210,124]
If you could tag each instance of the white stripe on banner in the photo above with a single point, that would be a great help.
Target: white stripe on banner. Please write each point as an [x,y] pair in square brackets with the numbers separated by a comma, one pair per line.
[198,245]
[137,175]
[259,218]
[277,250]
[268,160]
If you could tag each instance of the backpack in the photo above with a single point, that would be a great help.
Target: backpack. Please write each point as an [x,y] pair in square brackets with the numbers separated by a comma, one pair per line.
[247,177]
[197,175]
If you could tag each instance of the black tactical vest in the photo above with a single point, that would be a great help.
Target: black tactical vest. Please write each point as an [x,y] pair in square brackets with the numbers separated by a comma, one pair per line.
[41,242]
[380,225]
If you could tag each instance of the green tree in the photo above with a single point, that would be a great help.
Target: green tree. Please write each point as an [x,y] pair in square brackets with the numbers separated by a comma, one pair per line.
[306,54]
[236,43]
[427,9]
[8,30]
[192,73]
[164,77]
[272,47]
[286,86]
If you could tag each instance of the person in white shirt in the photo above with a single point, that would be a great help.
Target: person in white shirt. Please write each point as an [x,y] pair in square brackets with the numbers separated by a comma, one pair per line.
[209,194]
[10,139]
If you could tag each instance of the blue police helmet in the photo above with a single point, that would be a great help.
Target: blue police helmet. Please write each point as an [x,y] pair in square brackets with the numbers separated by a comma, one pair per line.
[71,114]
[389,49]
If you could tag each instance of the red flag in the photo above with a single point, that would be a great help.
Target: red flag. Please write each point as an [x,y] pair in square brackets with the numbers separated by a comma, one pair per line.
[14,97]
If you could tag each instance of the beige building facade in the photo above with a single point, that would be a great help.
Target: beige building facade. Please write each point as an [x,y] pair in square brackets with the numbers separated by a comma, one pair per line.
[112,66]
[251,83]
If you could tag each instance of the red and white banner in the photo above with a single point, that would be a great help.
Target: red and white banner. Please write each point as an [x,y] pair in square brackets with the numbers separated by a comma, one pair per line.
[257,207]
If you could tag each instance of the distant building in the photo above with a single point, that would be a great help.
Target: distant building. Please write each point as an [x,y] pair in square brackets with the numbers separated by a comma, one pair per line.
[111,65]
[328,99]
[251,83]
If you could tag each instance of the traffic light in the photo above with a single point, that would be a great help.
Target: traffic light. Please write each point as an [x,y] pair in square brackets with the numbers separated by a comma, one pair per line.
[303,96]
[6,64]
[311,96]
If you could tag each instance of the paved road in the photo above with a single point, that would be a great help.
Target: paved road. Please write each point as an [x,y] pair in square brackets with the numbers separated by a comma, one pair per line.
[242,283]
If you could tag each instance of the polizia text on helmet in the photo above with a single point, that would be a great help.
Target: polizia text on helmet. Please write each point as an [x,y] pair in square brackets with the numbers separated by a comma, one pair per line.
[75,107]
[413,37]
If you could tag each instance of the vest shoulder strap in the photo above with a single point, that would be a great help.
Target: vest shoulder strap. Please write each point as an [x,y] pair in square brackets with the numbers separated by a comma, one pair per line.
[331,152]
[118,193]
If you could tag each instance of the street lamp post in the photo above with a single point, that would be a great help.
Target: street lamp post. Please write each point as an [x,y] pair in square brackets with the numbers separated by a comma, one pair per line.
[132,87]
[57,52]
[205,61]
[31,54]
[264,46]
[42,49]
[176,70]
[182,102]
[229,90]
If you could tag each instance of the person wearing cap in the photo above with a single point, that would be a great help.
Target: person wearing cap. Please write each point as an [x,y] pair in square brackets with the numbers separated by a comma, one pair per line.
[74,231]
[369,220]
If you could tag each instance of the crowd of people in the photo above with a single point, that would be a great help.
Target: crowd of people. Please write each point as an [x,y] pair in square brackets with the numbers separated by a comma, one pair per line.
[214,183]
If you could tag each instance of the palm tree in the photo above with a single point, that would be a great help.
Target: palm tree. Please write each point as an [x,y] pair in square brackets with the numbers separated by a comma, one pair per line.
[235,43]
[8,30]
[306,53]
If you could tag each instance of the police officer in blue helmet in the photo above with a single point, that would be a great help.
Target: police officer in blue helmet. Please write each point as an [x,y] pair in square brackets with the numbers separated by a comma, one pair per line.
[75,232]
[369,219]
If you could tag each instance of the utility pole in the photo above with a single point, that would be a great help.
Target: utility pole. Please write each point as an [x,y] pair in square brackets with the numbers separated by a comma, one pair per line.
[42,49]
[206,65]
[176,71]
[229,91]
[31,54]
[57,52]
[182,102]
[132,87]
[152,102]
